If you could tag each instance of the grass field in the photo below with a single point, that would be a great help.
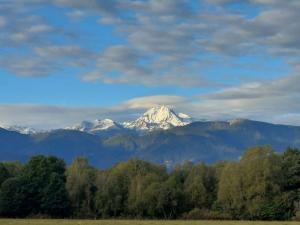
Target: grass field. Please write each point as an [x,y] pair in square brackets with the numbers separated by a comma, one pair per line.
[135,222]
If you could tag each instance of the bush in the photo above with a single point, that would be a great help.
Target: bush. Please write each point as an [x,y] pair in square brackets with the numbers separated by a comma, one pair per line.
[297,216]
[197,214]
[205,214]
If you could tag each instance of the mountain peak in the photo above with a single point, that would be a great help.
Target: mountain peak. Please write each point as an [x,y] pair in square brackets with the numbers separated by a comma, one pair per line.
[95,126]
[105,124]
[159,114]
[159,117]
[21,129]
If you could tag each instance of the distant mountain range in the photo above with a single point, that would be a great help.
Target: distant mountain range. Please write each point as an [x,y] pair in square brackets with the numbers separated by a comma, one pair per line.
[156,118]
[160,135]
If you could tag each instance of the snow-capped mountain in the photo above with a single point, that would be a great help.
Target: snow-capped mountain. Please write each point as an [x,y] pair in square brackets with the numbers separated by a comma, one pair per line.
[105,125]
[160,117]
[84,126]
[21,129]
[95,126]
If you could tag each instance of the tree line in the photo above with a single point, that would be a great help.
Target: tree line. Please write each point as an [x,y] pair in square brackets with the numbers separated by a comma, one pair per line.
[261,185]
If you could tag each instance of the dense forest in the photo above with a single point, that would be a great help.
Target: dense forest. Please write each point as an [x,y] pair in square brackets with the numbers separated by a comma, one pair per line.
[262,185]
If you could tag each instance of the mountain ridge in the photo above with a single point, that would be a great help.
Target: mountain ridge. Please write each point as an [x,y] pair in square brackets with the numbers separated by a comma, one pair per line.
[95,126]
[158,117]
[206,141]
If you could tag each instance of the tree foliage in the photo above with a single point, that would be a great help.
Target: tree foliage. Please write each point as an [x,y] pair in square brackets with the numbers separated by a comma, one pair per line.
[81,187]
[261,185]
[39,189]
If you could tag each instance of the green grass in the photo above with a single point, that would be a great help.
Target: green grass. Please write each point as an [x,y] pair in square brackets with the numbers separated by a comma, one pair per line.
[135,222]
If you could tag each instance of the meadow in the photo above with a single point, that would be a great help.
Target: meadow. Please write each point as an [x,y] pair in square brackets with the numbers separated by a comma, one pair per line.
[137,222]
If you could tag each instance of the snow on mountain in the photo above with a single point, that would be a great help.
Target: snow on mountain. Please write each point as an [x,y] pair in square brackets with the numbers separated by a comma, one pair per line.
[160,117]
[95,126]
[185,118]
[84,126]
[21,129]
[105,125]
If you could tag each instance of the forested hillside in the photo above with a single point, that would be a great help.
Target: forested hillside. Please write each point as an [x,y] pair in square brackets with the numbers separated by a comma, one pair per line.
[261,185]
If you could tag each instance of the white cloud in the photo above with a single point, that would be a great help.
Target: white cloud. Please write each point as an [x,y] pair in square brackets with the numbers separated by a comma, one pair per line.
[273,101]
[2,21]
[271,104]
[47,116]
[28,66]
[39,28]
[76,14]
[151,101]
[163,41]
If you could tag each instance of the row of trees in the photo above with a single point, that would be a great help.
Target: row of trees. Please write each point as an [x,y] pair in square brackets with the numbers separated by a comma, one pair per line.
[261,185]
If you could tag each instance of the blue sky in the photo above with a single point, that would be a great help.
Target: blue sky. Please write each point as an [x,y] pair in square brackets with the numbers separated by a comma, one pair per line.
[62,61]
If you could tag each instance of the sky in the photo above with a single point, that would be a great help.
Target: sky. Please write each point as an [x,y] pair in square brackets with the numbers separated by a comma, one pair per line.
[64,61]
